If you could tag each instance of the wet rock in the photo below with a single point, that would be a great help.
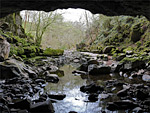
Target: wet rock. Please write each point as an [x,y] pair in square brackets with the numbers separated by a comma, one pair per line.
[92,88]
[73,112]
[129,52]
[142,94]
[146,78]
[12,68]
[60,73]
[105,57]
[137,110]
[31,73]
[122,93]
[12,80]
[79,72]
[57,96]
[147,102]
[121,105]
[116,67]
[120,57]
[93,97]
[40,81]
[23,111]
[76,60]
[93,62]
[4,49]
[97,70]
[52,78]
[53,68]
[42,107]
[20,104]
[148,68]
[108,49]
[104,96]
[137,64]
[84,67]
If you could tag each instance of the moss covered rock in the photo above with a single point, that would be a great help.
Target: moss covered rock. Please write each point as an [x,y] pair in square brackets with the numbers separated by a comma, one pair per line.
[108,49]
[53,52]
[136,33]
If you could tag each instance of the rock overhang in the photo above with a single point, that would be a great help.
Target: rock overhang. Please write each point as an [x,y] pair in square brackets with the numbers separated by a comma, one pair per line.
[106,7]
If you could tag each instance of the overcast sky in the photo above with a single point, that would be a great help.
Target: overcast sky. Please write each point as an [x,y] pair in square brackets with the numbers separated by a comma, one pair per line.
[74,14]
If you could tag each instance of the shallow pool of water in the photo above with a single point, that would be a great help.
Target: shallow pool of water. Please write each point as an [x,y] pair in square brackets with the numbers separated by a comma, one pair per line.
[76,100]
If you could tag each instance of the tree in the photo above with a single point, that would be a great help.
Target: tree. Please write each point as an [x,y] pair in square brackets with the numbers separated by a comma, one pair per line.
[39,22]
[44,20]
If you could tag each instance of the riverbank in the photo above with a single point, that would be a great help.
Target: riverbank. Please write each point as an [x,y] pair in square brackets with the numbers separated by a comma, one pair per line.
[74,80]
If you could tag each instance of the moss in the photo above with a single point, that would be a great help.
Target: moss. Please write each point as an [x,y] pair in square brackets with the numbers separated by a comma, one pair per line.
[20,51]
[13,50]
[138,43]
[128,49]
[23,56]
[133,59]
[30,49]
[53,52]
[37,58]
[136,33]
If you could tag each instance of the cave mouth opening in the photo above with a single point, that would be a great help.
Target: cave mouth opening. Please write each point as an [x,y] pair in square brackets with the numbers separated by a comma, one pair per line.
[59,29]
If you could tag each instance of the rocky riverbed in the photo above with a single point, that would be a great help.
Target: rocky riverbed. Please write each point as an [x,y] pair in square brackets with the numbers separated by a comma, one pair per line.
[75,82]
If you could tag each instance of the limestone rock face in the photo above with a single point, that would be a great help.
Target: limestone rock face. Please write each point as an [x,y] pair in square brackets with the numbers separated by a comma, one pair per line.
[4,49]
[13,68]
[107,7]
[13,23]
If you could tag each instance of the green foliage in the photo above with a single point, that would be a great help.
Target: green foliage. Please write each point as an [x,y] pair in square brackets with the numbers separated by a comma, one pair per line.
[13,50]
[138,43]
[132,59]
[53,52]
[130,33]
[50,30]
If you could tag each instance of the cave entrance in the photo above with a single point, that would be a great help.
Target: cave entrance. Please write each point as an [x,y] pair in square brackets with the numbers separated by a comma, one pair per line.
[59,29]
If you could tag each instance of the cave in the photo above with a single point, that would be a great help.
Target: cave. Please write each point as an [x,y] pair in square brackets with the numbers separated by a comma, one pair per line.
[107,71]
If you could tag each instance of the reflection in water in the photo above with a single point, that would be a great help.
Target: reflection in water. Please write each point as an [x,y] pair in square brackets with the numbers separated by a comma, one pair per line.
[76,100]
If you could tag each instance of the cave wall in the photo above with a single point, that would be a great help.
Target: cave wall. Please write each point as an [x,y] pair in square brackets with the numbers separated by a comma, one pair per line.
[12,23]
[106,7]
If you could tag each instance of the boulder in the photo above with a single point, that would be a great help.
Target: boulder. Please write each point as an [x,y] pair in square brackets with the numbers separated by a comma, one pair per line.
[122,93]
[14,68]
[77,72]
[98,70]
[57,96]
[137,110]
[4,49]
[108,49]
[93,97]
[52,78]
[133,64]
[21,104]
[120,57]
[146,78]
[135,34]
[84,67]
[121,105]
[60,73]
[92,88]
[42,107]
[93,62]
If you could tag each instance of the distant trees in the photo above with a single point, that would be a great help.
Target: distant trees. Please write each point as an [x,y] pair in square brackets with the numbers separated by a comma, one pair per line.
[51,30]
[40,21]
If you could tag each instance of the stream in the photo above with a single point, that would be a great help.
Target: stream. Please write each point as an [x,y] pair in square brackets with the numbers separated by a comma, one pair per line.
[74,83]
[75,100]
